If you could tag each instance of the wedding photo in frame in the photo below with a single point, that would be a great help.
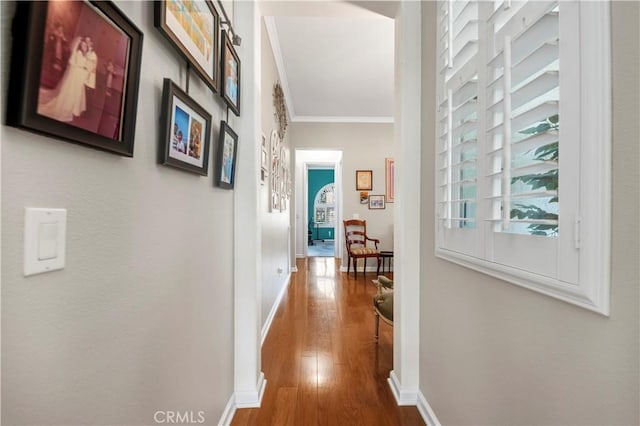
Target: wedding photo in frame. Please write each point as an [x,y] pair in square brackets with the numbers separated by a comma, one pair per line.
[193,28]
[74,75]
[186,133]
[230,69]
[227,157]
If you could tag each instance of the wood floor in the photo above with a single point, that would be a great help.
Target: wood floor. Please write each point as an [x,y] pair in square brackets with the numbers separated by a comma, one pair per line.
[320,358]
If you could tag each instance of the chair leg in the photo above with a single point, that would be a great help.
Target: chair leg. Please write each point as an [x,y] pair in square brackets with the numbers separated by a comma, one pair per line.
[348,264]
[355,267]
[364,268]
[377,325]
[378,271]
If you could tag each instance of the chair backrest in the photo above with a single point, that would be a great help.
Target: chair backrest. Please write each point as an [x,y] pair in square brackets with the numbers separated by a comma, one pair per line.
[355,233]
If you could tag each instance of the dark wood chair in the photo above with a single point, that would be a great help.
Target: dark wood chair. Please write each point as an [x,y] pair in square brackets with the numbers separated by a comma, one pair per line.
[355,236]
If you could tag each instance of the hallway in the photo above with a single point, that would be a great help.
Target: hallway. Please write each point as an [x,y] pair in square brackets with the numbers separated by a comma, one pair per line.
[320,358]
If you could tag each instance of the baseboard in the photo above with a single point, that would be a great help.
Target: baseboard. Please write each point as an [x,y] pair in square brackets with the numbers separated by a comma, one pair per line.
[300,256]
[426,411]
[228,413]
[294,269]
[274,309]
[252,398]
[403,395]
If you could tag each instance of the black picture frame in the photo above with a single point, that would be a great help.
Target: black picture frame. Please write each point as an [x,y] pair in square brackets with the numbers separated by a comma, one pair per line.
[186,132]
[45,94]
[201,52]
[227,158]
[230,65]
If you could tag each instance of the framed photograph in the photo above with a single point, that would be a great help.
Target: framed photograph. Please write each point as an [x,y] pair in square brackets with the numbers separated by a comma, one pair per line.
[376,202]
[364,197]
[274,173]
[389,169]
[75,69]
[227,153]
[193,28]
[230,74]
[186,133]
[264,160]
[364,180]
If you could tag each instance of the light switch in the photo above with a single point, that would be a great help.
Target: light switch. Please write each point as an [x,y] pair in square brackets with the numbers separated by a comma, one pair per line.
[44,240]
[48,241]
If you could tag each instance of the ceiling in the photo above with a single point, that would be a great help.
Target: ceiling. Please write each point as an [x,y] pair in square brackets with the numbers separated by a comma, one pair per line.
[335,60]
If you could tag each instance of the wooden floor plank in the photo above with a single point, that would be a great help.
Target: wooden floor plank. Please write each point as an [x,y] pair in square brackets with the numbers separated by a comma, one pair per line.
[321,361]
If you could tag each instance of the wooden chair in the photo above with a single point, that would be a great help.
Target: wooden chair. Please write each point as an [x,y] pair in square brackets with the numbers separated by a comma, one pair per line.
[383,302]
[355,236]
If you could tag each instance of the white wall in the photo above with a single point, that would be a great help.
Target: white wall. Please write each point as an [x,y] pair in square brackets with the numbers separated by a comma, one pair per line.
[364,147]
[276,263]
[141,317]
[495,353]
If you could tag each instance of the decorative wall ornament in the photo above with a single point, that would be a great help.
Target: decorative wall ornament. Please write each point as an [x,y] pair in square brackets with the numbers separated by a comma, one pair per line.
[281,109]
[274,177]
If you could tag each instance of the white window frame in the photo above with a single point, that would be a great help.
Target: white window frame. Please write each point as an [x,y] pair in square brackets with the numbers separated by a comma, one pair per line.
[317,204]
[591,233]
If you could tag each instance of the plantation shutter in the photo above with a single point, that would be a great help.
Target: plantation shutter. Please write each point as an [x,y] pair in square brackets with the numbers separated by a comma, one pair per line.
[523,143]
[456,149]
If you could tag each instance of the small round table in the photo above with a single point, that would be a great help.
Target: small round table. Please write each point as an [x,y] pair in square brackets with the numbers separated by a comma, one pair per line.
[384,256]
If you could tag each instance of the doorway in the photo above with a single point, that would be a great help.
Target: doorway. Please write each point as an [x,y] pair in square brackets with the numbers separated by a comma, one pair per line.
[321,208]
[318,202]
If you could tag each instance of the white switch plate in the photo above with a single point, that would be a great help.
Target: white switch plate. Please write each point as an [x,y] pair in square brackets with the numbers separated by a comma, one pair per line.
[44,240]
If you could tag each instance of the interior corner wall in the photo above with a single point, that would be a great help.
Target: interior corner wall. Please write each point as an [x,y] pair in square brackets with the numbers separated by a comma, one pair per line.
[276,229]
[140,320]
[493,353]
[365,147]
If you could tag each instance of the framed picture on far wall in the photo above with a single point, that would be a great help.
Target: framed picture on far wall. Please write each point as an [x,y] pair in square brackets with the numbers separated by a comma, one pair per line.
[230,74]
[389,168]
[227,157]
[75,70]
[186,133]
[376,202]
[364,180]
[192,27]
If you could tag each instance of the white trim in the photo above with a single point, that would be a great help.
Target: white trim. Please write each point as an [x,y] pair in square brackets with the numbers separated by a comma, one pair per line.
[403,395]
[228,413]
[294,268]
[274,309]
[300,256]
[252,398]
[274,41]
[551,287]
[426,411]
[339,119]
[595,173]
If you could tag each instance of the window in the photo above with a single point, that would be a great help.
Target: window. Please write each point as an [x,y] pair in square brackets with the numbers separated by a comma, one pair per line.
[324,205]
[523,144]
